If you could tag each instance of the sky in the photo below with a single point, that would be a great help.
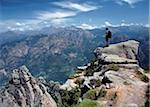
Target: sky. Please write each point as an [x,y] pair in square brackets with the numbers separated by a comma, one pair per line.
[88,14]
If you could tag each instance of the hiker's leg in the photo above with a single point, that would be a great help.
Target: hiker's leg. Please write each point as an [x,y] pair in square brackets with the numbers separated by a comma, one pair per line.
[106,41]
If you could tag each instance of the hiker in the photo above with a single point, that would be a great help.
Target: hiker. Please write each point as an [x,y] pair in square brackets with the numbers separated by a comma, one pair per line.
[107,36]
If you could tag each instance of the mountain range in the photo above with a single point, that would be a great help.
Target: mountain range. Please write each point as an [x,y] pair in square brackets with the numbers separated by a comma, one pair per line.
[54,53]
[112,79]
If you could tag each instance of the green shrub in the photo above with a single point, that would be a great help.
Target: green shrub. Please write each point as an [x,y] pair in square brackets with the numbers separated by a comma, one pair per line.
[73,75]
[113,67]
[95,82]
[98,82]
[88,103]
[147,103]
[126,83]
[70,98]
[79,81]
[102,92]
[89,72]
[93,61]
[94,94]
[142,76]
[91,94]
[147,71]
[91,69]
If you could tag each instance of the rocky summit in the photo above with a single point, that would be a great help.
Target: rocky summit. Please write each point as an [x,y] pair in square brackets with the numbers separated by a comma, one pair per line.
[24,90]
[112,79]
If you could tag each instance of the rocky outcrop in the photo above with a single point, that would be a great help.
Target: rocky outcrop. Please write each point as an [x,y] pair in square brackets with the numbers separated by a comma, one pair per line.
[115,70]
[24,90]
[127,49]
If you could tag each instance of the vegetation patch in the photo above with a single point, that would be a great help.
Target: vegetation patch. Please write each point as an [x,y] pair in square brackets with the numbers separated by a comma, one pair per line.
[89,72]
[142,76]
[98,82]
[79,71]
[147,71]
[94,94]
[79,81]
[113,67]
[94,67]
[102,92]
[73,75]
[126,83]
[70,98]
[91,69]
[147,103]
[91,94]
[95,82]
[88,103]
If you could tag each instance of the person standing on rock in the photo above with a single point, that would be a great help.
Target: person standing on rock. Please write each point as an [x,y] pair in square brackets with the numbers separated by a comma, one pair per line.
[108,35]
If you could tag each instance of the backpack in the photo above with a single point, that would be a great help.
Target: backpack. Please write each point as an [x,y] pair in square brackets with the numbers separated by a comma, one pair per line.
[109,34]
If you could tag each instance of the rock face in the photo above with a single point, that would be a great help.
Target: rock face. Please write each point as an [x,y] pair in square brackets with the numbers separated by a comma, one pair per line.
[24,90]
[115,70]
[127,49]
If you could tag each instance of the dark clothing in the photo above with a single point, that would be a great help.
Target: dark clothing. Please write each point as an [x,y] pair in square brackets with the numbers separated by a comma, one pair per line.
[108,34]
[106,38]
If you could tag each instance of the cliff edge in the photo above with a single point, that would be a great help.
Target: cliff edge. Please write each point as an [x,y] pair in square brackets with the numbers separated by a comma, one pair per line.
[113,78]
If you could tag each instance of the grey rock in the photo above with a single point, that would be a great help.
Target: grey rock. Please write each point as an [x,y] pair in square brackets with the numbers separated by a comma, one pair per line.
[128,49]
[118,73]
[115,77]
[54,90]
[24,90]
[110,58]
[69,84]
[82,67]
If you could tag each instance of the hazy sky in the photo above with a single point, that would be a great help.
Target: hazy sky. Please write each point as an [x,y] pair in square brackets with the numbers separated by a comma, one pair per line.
[30,14]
